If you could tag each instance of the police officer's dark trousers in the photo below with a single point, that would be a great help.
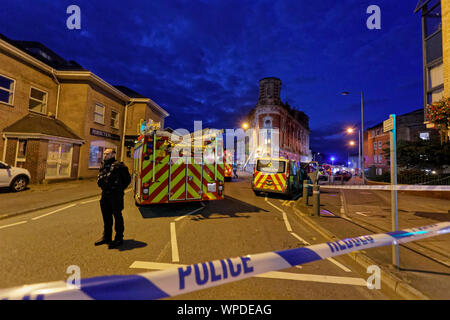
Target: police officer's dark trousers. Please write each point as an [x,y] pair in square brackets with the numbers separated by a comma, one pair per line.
[111,205]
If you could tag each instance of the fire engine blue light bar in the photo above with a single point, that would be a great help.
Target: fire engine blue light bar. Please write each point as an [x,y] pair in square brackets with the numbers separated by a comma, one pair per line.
[181,280]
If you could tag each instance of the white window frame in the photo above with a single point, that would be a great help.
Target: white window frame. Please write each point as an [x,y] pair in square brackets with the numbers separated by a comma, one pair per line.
[17,159]
[117,120]
[97,113]
[380,144]
[34,99]
[59,161]
[9,90]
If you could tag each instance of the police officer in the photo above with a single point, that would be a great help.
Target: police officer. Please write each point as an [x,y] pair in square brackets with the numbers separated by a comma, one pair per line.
[113,179]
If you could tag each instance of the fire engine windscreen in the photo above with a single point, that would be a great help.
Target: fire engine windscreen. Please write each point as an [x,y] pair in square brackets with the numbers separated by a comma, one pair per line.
[271,166]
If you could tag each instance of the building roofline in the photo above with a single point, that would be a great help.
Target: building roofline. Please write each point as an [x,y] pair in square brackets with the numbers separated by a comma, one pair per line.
[75,75]
[25,56]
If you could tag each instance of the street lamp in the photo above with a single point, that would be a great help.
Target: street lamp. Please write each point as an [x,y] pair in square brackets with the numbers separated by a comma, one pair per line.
[345,93]
[245,125]
[332,160]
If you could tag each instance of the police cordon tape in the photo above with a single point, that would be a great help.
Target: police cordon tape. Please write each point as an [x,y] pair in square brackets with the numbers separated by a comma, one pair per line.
[387,187]
[181,280]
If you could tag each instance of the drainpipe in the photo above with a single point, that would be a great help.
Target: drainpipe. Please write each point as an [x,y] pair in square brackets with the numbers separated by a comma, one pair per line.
[4,148]
[124,130]
[57,95]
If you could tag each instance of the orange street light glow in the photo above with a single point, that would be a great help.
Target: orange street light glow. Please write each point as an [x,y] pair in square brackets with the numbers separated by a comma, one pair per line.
[245,125]
[350,130]
[352,143]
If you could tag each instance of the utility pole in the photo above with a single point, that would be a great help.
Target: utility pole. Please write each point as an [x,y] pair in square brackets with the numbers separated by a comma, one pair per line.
[391,126]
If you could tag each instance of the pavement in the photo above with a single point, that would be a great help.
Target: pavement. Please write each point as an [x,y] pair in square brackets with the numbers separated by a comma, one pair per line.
[424,265]
[63,220]
[42,196]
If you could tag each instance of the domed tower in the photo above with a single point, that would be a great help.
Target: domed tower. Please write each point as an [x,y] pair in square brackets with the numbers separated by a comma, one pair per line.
[269,91]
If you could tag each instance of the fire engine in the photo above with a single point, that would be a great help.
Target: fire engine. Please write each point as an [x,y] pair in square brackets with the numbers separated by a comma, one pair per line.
[166,171]
[276,175]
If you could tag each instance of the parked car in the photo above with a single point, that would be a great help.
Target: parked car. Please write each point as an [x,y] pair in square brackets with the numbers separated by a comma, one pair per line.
[15,178]
[343,175]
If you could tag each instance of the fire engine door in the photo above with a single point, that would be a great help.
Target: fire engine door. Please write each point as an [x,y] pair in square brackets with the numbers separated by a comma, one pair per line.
[177,183]
[194,179]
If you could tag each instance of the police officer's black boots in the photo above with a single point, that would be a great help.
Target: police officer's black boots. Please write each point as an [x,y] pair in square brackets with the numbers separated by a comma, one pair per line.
[102,240]
[116,243]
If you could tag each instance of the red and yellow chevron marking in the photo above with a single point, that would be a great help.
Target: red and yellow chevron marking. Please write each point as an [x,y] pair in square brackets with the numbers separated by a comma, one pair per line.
[177,189]
[194,180]
[161,153]
[159,188]
[274,182]
[228,170]
[208,177]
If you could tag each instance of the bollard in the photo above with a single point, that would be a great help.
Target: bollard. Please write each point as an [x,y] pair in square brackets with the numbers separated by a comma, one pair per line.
[305,192]
[316,201]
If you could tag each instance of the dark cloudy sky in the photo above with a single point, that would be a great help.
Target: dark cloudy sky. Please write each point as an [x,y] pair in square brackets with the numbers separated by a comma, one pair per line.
[202,59]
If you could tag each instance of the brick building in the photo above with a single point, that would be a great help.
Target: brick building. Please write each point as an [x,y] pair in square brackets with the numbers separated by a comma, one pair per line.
[292,125]
[57,117]
[410,127]
[436,49]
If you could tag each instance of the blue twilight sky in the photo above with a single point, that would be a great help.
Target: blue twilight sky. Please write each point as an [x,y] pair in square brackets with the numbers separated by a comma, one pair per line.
[202,59]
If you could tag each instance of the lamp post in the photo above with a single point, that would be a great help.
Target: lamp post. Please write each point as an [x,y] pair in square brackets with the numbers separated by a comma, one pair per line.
[350,130]
[345,93]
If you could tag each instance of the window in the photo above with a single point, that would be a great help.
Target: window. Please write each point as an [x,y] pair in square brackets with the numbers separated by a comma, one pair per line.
[375,158]
[435,95]
[424,135]
[435,75]
[433,20]
[38,101]
[6,89]
[379,145]
[99,114]
[96,152]
[375,145]
[271,166]
[114,119]
[380,158]
[22,150]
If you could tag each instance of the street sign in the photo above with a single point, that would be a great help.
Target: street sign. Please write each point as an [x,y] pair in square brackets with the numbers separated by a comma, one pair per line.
[388,125]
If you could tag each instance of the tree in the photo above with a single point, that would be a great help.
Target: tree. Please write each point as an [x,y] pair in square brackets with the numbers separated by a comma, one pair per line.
[421,154]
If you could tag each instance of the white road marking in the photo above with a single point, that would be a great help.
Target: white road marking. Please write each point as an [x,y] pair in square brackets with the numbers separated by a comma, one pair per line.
[13,224]
[339,265]
[270,275]
[313,278]
[173,241]
[154,265]
[330,259]
[187,214]
[362,214]
[57,210]
[300,238]
[286,221]
[89,201]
